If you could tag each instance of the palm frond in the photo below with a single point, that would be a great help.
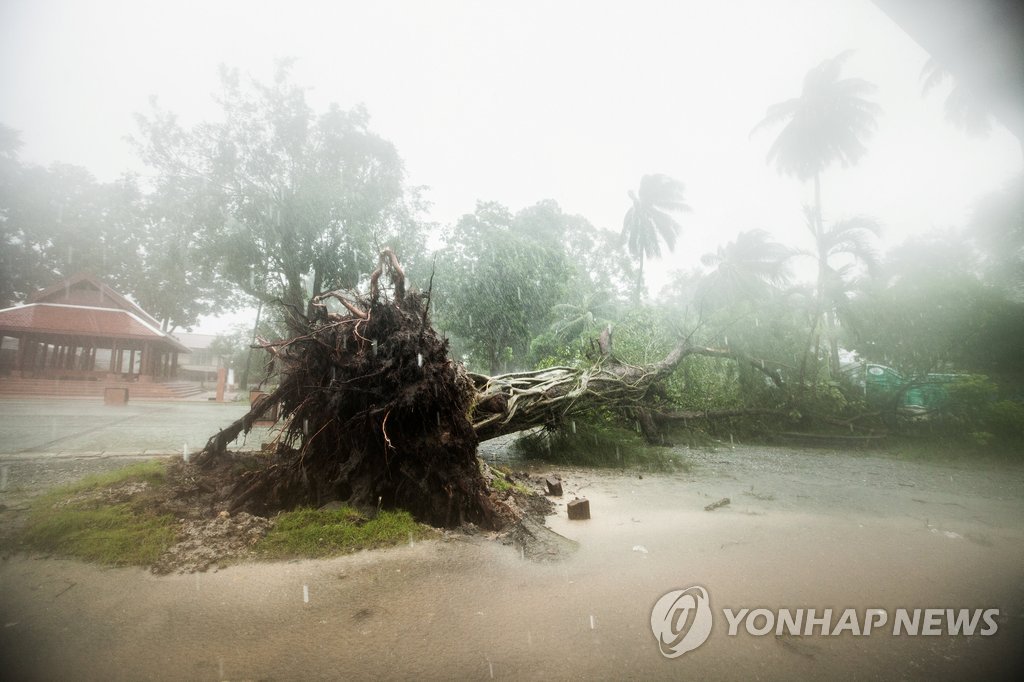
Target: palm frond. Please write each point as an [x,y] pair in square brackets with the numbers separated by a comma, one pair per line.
[649,222]
[830,121]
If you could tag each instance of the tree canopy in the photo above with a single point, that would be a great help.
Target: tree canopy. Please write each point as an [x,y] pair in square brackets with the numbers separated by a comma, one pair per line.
[283,201]
[499,277]
[60,220]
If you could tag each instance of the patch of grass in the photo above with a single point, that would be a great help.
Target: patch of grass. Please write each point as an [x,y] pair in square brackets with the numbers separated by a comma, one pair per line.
[65,523]
[116,535]
[322,533]
[152,471]
[501,483]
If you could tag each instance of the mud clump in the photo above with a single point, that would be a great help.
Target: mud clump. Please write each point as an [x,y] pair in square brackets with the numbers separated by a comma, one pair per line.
[207,542]
[116,494]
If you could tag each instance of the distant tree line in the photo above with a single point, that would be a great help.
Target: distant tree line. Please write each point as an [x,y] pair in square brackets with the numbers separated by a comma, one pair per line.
[274,202]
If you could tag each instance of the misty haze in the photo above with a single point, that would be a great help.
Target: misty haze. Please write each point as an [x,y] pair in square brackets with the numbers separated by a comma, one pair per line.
[454,340]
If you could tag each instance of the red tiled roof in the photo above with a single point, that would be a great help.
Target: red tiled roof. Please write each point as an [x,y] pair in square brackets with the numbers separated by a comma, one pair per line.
[107,297]
[47,318]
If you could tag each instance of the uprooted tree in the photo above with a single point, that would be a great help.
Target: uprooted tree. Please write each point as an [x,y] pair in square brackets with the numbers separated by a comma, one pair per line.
[377,413]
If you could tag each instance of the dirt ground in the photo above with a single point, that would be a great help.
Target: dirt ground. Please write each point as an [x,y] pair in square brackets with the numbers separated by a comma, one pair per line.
[803,528]
[209,535]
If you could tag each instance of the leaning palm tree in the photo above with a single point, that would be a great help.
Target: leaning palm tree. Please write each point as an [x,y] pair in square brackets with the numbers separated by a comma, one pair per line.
[745,268]
[651,220]
[829,121]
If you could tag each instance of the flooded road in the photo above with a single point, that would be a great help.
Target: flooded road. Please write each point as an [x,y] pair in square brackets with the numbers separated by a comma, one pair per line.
[804,529]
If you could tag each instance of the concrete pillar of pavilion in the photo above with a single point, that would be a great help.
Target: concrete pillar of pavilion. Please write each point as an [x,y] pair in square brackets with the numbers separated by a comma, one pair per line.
[146,364]
[114,368]
[38,351]
[19,357]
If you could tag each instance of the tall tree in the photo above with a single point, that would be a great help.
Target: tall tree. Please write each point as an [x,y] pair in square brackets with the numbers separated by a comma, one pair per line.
[497,283]
[928,311]
[651,220]
[176,277]
[284,202]
[830,121]
[59,220]
[997,223]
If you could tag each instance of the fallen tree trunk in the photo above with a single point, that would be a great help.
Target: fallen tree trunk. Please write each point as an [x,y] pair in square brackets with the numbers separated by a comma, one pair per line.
[522,400]
[376,413]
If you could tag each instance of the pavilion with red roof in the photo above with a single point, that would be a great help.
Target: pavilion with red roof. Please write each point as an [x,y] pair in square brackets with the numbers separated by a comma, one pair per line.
[81,329]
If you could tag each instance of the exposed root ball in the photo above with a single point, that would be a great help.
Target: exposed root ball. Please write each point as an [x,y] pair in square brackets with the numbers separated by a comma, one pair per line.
[376,414]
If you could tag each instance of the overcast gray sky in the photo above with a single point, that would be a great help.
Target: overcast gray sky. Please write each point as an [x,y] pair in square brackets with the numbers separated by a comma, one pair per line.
[522,101]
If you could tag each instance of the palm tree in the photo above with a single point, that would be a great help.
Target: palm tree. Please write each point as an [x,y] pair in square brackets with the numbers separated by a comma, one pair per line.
[842,252]
[963,107]
[744,268]
[651,220]
[829,121]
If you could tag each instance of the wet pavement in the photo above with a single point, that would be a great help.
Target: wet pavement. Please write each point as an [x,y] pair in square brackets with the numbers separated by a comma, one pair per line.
[822,529]
[84,428]
[804,529]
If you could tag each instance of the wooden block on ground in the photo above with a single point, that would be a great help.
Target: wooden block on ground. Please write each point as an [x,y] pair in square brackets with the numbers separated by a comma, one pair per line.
[554,486]
[579,509]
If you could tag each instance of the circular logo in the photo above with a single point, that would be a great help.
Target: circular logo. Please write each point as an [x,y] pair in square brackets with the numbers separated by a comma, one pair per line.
[681,621]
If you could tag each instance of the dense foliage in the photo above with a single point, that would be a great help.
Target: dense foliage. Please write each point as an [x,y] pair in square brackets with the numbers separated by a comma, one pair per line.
[276,202]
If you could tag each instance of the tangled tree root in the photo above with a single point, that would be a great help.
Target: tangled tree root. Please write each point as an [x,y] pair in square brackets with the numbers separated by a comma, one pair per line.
[376,414]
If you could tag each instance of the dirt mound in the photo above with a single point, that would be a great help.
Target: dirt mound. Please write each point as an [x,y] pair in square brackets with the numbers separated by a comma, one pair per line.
[209,535]
[205,543]
[115,494]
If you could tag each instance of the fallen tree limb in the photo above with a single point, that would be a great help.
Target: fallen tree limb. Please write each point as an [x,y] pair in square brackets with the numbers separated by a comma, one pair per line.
[546,397]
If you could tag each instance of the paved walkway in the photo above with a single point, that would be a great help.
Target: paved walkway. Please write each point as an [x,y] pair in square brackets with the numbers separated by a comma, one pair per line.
[78,428]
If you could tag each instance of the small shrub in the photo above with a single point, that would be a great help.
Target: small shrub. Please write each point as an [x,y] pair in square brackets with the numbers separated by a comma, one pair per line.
[1006,420]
